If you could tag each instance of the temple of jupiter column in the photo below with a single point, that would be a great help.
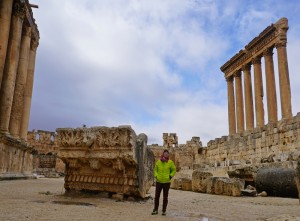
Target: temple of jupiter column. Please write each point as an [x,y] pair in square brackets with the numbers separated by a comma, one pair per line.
[19,37]
[5,17]
[240,65]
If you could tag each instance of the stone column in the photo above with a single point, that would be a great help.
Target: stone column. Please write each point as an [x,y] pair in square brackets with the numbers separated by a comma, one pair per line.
[231,105]
[248,97]
[28,90]
[5,18]
[271,88]
[259,93]
[284,81]
[18,101]
[11,66]
[239,102]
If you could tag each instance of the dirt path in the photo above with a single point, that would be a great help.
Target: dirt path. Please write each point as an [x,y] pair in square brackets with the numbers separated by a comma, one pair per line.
[42,199]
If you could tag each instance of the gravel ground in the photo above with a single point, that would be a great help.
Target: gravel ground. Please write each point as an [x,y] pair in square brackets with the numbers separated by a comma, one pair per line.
[44,199]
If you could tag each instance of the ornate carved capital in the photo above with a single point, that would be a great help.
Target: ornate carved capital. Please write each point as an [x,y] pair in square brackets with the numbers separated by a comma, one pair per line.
[19,10]
[256,60]
[268,52]
[237,74]
[229,78]
[34,44]
[27,31]
[281,44]
[246,67]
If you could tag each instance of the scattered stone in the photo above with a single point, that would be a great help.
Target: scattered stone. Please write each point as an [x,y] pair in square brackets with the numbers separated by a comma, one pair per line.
[247,192]
[263,194]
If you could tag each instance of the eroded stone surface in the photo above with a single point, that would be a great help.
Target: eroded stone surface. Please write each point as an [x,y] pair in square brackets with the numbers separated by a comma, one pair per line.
[112,159]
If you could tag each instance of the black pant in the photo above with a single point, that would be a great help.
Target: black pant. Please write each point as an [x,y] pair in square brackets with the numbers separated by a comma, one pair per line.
[165,187]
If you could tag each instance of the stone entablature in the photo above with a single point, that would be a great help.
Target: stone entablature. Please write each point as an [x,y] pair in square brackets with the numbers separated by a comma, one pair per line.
[110,159]
[277,143]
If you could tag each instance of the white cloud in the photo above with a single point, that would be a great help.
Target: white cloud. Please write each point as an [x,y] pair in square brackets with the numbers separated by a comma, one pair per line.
[151,64]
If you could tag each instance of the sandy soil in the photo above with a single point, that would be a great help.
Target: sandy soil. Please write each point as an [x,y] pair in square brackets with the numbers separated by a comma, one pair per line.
[43,199]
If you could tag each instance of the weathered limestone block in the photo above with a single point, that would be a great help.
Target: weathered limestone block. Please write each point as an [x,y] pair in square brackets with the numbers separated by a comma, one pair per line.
[186,184]
[15,158]
[110,159]
[297,179]
[225,186]
[276,182]
[200,180]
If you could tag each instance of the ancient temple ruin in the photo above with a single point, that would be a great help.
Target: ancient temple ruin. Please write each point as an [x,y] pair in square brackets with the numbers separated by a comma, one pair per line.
[19,39]
[274,36]
[104,159]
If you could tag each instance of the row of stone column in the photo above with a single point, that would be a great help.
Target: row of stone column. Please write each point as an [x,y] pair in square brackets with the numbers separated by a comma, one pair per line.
[17,61]
[235,92]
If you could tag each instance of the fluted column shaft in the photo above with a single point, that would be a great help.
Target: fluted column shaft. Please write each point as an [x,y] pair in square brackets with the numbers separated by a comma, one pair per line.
[28,90]
[11,66]
[284,81]
[239,102]
[231,106]
[18,101]
[259,93]
[271,88]
[248,97]
[5,18]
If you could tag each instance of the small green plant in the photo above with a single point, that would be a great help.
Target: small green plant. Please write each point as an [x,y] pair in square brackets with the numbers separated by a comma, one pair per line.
[46,193]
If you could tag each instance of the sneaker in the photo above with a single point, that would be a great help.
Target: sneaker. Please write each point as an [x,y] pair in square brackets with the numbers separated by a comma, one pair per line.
[154,212]
[163,213]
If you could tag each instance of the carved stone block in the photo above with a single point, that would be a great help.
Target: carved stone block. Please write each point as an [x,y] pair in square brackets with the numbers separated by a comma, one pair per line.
[109,159]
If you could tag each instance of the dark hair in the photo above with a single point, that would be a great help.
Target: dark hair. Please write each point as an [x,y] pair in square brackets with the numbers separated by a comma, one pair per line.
[166,150]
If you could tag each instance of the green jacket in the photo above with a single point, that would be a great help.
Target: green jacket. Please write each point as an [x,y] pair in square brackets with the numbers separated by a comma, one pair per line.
[164,171]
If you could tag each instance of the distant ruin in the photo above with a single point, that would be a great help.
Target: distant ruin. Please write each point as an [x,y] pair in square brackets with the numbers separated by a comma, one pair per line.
[19,39]
[45,160]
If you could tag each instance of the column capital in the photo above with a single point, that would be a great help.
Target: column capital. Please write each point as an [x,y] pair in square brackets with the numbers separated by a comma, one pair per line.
[27,31]
[268,52]
[19,10]
[237,74]
[281,44]
[256,60]
[229,78]
[34,44]
[246,67]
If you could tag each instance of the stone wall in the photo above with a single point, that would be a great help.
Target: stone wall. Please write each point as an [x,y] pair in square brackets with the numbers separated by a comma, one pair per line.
[183,155]
[15,158]
[273,143]
[45,161]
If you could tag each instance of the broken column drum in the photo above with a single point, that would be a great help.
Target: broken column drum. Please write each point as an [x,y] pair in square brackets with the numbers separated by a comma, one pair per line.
[113,160]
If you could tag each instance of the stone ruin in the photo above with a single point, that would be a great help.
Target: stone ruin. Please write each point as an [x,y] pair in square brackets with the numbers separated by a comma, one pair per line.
[106,159]
[45,160]
[19,39]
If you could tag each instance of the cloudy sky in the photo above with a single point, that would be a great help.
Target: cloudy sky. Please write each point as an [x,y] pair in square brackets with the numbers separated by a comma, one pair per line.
[154,65]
